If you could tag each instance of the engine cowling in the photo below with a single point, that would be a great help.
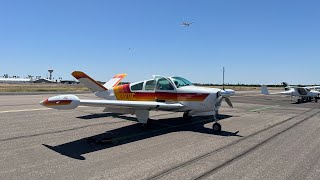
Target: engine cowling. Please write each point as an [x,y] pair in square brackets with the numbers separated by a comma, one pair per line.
[61,102]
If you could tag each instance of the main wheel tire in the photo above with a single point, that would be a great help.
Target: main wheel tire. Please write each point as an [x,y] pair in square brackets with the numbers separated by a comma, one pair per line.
[186,116]
[216,127]
[145,125]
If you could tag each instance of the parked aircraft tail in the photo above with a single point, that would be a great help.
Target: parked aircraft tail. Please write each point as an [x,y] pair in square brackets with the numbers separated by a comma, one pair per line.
[90,83]
[264,90]
[114,81]
[285,84]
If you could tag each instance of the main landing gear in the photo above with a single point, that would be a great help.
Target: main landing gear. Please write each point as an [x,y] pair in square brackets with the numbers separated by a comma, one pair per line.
[307,99]
[186,116]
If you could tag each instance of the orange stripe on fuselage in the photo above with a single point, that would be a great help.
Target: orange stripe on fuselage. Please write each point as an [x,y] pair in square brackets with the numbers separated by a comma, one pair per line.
[124,93]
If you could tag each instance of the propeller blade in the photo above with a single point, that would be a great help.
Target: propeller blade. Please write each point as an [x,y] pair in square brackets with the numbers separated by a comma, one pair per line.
[229,102]
[218,102]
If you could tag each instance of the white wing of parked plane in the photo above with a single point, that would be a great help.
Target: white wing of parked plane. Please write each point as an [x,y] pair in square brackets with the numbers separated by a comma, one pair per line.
[131,104]
[72,101]
[265,91]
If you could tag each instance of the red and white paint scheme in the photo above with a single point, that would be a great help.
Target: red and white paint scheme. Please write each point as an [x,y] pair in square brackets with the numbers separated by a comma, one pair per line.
[159,93]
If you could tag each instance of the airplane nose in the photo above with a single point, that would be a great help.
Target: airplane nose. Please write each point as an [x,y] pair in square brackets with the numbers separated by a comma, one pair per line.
[42,103]
[230,91]
[227,92]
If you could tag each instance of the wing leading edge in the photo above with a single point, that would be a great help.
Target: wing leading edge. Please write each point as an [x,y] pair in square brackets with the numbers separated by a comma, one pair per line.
[147,105]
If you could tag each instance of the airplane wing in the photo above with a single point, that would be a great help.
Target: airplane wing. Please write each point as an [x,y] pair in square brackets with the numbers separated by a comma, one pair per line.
[72,101]
[289,92]
[146,105]
[265,91]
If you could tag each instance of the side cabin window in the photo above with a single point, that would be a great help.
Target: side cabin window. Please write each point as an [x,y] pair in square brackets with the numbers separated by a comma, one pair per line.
[164,85]
[150,85]
[137,87]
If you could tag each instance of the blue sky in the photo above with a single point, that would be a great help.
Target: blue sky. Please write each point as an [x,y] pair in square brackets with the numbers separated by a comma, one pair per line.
[258,41]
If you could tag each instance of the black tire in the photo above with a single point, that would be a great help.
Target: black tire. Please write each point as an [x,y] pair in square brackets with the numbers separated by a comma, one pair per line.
[186,116]
[145,125]
[216,127]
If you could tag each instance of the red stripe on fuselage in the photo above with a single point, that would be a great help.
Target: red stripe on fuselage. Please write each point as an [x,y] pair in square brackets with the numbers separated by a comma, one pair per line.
[124,93]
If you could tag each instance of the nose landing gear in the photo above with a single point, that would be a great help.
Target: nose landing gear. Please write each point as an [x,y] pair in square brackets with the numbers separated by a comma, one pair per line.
[216,127]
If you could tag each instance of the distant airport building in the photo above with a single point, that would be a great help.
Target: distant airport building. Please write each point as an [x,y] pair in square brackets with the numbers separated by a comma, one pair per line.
[29,79]
[69,82]
[15,80]
[44,81]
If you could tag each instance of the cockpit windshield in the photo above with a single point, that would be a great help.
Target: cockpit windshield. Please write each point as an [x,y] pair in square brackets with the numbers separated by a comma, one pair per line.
[180,82]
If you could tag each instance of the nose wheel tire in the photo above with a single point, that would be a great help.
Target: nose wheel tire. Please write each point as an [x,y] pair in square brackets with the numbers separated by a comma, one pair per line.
[216,127]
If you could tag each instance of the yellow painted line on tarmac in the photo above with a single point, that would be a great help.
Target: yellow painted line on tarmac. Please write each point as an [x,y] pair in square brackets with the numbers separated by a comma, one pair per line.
[26,110]
[23,110]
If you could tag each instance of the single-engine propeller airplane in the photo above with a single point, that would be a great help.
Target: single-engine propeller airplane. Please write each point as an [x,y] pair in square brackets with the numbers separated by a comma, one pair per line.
[304,93]
[160,93]
[287,87]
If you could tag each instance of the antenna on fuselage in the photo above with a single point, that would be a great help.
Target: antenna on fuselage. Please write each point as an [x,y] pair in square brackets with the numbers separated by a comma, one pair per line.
[223,78]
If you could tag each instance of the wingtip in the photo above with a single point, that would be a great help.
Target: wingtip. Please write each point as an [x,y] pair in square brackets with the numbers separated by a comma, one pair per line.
[120,75]
[78,74]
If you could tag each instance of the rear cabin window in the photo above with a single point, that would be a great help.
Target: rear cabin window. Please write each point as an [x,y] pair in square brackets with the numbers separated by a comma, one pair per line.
[137,87]
[150,85]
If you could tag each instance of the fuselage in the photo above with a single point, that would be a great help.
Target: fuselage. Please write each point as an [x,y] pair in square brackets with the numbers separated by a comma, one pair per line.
[301,92]
[168,90]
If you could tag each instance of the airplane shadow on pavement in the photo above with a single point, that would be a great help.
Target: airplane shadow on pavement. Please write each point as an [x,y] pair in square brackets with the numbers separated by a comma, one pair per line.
[135,132]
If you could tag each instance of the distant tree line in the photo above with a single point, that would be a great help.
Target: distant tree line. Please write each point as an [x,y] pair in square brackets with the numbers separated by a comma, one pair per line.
[238,84]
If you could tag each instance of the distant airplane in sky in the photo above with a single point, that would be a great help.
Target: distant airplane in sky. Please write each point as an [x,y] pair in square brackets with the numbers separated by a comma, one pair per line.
[186,24]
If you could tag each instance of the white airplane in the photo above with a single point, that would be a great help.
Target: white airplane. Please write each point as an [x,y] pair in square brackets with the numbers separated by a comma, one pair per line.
[186,24]
[304,93]
[287,87]
[315,88]
[160,93]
